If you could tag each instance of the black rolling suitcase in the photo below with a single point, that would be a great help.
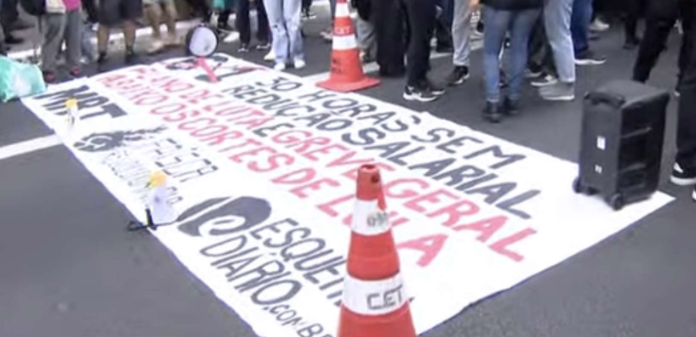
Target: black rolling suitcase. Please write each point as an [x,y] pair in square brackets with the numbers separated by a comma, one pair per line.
[621,143]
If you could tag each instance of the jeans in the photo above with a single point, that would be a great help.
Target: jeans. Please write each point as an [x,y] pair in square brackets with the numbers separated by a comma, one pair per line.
[498,23]
[365,35]
[284,18]
[243,22]
[579,26]
[58,28]
[686,125]
[461,32]
[389,30]
[557,21]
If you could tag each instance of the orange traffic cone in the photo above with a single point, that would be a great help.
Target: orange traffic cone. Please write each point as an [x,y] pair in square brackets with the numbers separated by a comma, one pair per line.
[346,69]
[374,303]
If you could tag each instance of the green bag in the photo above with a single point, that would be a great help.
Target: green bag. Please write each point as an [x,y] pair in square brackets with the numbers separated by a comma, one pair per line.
[19,80]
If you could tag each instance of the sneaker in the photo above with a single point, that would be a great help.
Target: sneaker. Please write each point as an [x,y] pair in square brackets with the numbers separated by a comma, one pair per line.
[435,89]
[243,48]
[131,58]
[511,107]
[75,72]
[49,77]
[693,194]
[299,63]
[590,59]
[412,93]
[327,35]
[101,59]
[529,73]
[308,15]
[270,56]
[458,75]
[682,176]
[558,92]
[155,46]
[263,45]
[279,66]
[545,81]
[491,112]
[598,25]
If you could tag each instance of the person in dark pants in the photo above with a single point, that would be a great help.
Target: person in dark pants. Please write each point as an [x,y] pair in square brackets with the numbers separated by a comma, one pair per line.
[421,24]
[443,26]
[684,170]
[634,9]
[244,26]
[390,33]
[661,17]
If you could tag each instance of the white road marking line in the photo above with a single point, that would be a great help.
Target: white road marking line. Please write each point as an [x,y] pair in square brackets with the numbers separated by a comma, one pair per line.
[28,146]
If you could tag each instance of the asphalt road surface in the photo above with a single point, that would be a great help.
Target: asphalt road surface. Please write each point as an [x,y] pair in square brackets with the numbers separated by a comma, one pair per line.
[68,268]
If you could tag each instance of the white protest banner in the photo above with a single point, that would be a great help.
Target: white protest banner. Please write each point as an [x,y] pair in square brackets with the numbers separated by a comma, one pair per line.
[261,169]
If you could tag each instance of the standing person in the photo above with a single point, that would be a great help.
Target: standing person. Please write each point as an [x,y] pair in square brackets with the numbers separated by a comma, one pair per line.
[154,10]
[244,26]
[225,9]
[284,18]
[461,40]
[390,34]
[634,9]
[502,16]
[62,22]
[421,22]
[684,170]
[113,13]
[557,23]
[365,30]
[443,26]
[579,29]
[307,13]
[661,17]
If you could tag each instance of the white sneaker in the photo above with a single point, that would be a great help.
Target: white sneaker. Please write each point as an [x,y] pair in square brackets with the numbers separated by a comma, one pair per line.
[155,46]
[270,56]
[279,66]
[598,26]
[299,63]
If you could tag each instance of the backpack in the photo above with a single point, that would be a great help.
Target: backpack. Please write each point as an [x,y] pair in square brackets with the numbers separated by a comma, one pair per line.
[34,7]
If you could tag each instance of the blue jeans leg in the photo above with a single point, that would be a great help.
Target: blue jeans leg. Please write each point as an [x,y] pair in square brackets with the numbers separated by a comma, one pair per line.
[557,14]
[521,28]
[497,23]
[580,25]
[281,42]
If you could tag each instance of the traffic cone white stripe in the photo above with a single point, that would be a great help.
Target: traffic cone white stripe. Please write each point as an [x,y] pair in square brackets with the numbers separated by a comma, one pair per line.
[369,219]
[374,298]
[342,10]
[344,42]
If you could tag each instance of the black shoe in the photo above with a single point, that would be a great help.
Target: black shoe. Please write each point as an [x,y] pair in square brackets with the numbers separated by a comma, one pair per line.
[435,89]
[682,175]
[492,113]
[511,107]
[590,59]
[458,75]
[131,58]
[9,39]
[412,93]
[101,59]
[631,43]
[243,48]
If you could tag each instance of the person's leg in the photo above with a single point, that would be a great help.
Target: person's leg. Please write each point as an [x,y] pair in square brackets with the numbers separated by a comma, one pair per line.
[443,27]
[73,41]
[365,35]
[660,20]
[53,30]
[497,23]
[632,8]
[292,11]
[131,10]
[263,34]
[557,14]
[686,10]
[461,40]
[170,16]
[153,14]
[274,10]
[579,25]
[421,19]
[243,24]
[521,28]
[685,170]
[388,30]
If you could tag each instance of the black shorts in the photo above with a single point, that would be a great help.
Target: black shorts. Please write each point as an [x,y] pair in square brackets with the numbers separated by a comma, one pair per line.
[114,12]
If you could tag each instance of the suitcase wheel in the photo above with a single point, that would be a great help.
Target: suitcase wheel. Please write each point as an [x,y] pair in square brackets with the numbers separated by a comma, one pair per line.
[578,187]
[616,201]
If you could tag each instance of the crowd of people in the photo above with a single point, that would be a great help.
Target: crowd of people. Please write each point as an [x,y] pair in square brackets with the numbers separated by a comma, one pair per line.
[543,42]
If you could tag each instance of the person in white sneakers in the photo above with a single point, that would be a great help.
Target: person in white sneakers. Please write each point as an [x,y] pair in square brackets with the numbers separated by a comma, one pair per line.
[284,18]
